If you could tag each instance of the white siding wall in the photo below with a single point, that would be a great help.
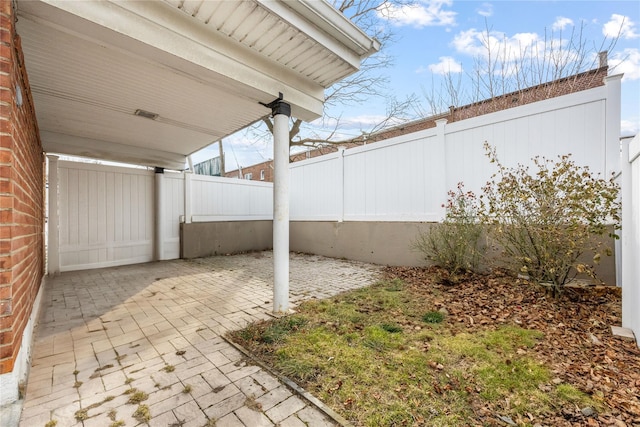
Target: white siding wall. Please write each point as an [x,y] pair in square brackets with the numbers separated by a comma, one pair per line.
[106,216]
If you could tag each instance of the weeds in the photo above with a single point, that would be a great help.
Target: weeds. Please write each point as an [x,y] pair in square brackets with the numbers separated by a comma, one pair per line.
[142,414]
[454,243]
[82,414]
[433,317]
[137,396]
[281,328]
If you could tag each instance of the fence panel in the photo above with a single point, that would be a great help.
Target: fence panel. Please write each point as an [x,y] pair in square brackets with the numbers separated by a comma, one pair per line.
[106,216]
[392,181]
[224,199]
[406,178]
[550,128]
[316,188]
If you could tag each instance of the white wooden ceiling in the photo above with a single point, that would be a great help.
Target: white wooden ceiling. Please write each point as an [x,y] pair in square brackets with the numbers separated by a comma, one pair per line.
[201,66]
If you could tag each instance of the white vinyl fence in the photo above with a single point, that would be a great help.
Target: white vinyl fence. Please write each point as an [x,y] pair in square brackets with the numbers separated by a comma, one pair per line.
[104,216]
[631,236]
[406,178]
[112,216]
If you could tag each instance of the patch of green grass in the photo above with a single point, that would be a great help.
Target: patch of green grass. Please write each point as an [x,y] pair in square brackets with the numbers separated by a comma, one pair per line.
[391,328]
[51,423]
[433,317]
[508,338]
[394,285]
[187,389]
[568,393]
[280,328]
[169,368]
[379,339]
[363,350]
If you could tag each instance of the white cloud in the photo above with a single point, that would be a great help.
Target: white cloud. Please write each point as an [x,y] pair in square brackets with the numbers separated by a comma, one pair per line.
[427,13]
[620,25]
[627,62]
[446,66]
[485,10]
[629,127]
[561,23]
[477,43]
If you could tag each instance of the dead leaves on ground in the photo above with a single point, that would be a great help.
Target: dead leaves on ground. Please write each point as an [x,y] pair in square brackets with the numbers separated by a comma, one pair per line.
[578,345]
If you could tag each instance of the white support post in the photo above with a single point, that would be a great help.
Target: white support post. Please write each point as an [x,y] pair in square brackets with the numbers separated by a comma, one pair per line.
[158,247]
[281,112]
[53,237]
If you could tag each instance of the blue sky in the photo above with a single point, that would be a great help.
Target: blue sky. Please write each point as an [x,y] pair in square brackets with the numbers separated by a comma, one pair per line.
[439,36]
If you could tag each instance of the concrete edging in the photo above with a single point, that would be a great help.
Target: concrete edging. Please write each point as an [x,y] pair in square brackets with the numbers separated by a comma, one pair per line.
[337,418]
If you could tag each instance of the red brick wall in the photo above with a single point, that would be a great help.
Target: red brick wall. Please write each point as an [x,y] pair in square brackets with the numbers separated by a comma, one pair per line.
[254,170]
[21,195]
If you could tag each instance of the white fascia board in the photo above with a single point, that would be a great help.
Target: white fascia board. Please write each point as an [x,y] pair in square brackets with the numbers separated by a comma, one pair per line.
[53,142]
[325,25]
[339,26]
[158,32]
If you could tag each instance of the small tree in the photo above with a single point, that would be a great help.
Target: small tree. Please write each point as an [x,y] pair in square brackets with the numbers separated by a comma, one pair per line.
[453,244]
[547,220]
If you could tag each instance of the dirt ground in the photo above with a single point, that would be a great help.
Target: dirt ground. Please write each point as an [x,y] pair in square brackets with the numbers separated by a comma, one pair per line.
[578,344]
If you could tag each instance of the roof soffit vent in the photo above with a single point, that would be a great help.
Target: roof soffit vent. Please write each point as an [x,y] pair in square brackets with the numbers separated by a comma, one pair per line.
[146,114]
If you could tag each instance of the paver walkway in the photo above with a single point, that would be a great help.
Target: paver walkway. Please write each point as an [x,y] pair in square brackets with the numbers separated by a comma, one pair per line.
[152,332]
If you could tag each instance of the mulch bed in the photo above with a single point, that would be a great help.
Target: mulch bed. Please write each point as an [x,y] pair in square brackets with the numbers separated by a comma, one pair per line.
[578,345]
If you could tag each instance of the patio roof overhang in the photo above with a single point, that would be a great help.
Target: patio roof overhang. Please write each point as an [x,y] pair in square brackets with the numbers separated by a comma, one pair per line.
[200,67]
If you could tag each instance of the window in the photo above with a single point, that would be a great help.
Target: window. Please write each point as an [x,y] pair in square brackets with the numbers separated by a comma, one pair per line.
[262,175]
[248,175]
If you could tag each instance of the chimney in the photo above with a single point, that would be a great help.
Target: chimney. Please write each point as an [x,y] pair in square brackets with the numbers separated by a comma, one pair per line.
[602,59]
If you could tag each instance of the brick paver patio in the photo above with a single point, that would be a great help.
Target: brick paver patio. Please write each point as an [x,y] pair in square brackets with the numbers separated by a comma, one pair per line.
[112,339]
